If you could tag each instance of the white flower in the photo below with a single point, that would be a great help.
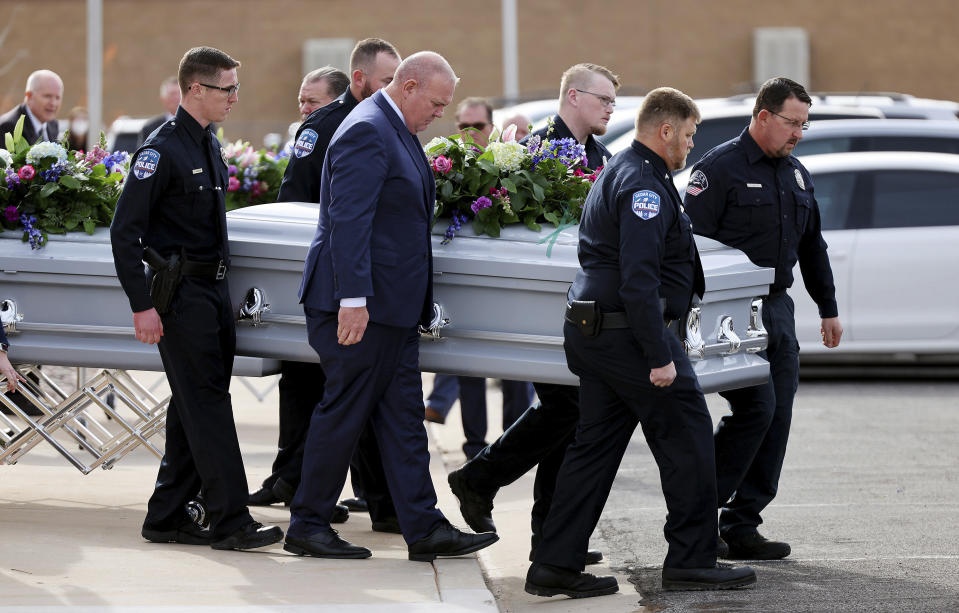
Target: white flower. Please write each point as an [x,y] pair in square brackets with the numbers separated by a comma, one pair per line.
[46,149]
[6,157]
[507,156]
[439,145]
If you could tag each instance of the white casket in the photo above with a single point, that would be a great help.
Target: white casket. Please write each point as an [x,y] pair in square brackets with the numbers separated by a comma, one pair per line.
[503,297]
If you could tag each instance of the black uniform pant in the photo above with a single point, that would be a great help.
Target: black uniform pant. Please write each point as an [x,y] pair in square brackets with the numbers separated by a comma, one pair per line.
[539,437]
[751,441]
[301,389]
[202,452]
[615,396]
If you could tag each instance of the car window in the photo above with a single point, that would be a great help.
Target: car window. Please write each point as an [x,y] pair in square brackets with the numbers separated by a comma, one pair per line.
[934,144]
[913,198]
[834,195]
[815,146]
[712,132]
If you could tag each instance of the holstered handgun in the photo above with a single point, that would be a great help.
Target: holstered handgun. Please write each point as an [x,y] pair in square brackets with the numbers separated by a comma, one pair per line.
[165,281]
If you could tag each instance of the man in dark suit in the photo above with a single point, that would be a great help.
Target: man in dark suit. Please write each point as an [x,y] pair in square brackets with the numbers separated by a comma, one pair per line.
[372,65]
[367,282]
[44,93]
[170,97]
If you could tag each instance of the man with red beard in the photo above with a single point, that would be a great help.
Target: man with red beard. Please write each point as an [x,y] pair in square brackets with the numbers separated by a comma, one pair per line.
[750,193]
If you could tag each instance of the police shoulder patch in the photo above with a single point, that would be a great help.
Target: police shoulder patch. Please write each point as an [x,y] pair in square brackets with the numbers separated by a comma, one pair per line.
[305,143]
[146,163]
[646,204]
[697,183]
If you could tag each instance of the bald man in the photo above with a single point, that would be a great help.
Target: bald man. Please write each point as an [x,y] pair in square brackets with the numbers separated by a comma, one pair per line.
[367,283]
[41,102]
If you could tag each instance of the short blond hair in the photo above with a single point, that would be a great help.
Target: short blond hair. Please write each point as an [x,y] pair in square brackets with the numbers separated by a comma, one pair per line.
[663,104]
[578,76]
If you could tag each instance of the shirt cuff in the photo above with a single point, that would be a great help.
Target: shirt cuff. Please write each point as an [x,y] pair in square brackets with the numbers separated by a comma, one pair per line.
[353,302]
[828,309]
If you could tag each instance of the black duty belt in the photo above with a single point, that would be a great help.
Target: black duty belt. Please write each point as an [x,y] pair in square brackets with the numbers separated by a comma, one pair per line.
[615,320]
[213,271]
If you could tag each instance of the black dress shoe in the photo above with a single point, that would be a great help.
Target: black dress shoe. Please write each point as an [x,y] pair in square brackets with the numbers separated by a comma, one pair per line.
[389,524]
[548,580]
[593,556]
[753,546]
[340,514]
[720,577]
[187,534]
[262,497]
[284,491]
[476,508]
[446,541]
[326,544]
[357,505]
[250,536]
[722,548]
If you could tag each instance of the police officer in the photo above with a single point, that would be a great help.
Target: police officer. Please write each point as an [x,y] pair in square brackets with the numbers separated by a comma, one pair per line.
[172,213]
[640,269]
[541,435]
[750,193]
[372,64]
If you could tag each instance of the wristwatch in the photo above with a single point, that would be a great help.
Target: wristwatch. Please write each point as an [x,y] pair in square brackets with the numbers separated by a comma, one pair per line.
[4,347]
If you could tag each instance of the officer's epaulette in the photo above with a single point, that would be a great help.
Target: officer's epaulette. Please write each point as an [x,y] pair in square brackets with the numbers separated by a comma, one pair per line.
[162,133]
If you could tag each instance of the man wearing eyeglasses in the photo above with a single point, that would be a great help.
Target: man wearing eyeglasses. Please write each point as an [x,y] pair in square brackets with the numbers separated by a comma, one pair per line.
[587,97]
[752,194]
[171,214]
[474,117]
[542,434]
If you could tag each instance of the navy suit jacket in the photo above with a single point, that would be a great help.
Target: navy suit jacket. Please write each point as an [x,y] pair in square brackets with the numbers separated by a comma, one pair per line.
[376,207]
[8,121]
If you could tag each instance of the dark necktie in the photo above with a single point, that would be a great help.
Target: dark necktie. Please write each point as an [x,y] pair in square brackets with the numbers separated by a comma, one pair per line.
[42,133]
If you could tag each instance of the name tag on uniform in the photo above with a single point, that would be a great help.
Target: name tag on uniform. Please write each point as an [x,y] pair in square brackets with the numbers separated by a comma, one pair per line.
[197,171]
[759,185]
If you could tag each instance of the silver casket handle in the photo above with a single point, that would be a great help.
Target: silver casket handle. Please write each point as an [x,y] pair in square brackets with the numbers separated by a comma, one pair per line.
[9,315]
[254,306]
[437,323]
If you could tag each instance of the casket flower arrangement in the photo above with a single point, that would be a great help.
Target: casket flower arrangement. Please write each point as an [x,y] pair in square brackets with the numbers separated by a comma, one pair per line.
[254,175]
[507,182]
[50,190]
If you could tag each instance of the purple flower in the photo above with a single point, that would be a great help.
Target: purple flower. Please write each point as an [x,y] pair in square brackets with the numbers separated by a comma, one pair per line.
[11,213]
[232,170]
[481,203]
[455,224]
[13,178]
[34,235]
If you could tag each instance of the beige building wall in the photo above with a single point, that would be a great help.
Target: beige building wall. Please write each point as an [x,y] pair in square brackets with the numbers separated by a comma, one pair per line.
[702,47]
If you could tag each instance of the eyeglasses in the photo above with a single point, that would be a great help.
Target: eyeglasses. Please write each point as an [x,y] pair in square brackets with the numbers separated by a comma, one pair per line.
[476,125]
[229,90]
[605,100]
[793,123]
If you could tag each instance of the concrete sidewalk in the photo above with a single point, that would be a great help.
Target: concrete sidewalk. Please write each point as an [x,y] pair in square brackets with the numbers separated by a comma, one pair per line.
[73,541]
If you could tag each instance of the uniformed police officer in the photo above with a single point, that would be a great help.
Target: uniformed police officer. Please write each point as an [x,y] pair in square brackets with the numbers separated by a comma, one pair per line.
[173,204]
[750,193]
[640,270]
[372,64]
[541,435]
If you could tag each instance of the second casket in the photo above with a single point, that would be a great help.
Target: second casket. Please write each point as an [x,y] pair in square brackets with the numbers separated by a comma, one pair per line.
[499,301]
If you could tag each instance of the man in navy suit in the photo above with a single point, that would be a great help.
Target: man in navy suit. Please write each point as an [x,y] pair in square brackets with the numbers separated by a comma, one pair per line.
[367,283]
[44,94]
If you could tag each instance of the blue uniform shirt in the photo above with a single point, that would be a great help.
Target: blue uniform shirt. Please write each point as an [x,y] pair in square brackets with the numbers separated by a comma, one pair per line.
[636,247]
[173,199]
[767,208]
[301,181]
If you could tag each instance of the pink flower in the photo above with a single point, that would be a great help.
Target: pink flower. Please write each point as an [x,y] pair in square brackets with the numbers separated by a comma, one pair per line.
[26,172]
[233,185]
[442,164]
[579,173]
[509,134]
